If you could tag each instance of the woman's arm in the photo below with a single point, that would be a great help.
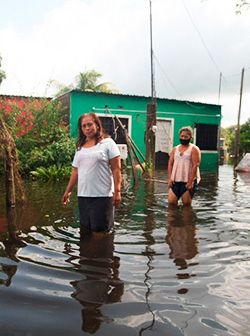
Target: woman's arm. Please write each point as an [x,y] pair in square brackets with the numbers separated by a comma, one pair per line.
[71,184]
[170,167]
[115,165]
[195,159]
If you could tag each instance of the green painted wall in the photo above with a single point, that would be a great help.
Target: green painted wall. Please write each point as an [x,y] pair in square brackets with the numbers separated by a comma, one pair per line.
[183,113]
[209,161]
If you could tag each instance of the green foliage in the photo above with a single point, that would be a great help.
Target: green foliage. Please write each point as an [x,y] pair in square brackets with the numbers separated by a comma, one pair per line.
[52,173]
[85,81]
[57,153]
[229,134]
[61,88]
[245,137]
[42,140]
[241,6]
[2,73]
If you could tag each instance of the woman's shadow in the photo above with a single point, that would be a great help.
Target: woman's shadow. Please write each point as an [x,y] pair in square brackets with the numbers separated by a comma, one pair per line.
[100,284]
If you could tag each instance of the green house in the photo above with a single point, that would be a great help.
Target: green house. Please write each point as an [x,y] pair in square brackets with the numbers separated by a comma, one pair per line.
[132,112]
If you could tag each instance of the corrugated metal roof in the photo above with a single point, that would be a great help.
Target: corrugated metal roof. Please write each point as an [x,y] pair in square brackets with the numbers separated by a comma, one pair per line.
[26,97]
[135,96]
[109,94]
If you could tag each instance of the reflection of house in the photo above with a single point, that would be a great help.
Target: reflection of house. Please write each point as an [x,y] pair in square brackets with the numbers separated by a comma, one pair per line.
[171,116]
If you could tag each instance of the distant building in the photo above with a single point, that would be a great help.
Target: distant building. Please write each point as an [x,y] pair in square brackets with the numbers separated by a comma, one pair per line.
[223,151]
[131,110]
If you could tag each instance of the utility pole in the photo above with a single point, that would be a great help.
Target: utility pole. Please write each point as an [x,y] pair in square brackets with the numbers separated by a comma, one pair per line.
[151,56]
[151,111]
[237,131]
[219,88]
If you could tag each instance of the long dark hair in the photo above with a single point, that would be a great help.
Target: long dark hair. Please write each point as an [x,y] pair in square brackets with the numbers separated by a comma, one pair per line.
[81,137]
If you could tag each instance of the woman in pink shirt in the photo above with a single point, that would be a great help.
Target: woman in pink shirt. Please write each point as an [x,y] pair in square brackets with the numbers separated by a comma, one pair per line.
[183,169]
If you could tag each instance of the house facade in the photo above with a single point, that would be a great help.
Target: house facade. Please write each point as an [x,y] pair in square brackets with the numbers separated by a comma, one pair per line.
[132,112]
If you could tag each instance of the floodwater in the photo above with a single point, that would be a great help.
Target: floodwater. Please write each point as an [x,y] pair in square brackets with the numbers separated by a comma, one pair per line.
[163,272]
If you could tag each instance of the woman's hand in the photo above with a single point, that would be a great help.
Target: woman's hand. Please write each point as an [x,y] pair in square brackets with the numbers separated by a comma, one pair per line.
[116,198]
[170,183]
[190,185]
[66,198]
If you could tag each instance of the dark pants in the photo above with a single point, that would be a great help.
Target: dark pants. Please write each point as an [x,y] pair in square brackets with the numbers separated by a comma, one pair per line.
[96,213]
[179,188]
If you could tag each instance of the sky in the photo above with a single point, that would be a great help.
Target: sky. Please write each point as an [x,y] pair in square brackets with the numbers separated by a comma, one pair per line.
[200,48]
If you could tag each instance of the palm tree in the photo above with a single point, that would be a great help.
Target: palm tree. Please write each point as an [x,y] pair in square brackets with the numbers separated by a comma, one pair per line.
[88,81]
[242,5]
[61,88]
[85,81]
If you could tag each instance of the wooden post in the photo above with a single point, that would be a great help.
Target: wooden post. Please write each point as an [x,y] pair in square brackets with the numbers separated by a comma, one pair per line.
[9,180]
[130,150]
[13,182]
[150,138]
[237,132]
[151,112]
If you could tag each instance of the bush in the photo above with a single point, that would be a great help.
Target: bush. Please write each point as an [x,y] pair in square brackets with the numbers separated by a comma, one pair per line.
[52,173]
[43,144]
[58,154]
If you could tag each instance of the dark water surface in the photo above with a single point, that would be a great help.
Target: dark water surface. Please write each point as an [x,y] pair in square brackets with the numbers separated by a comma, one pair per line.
[163,272]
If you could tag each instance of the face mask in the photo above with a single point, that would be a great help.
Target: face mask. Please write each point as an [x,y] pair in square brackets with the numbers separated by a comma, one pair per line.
[185,142]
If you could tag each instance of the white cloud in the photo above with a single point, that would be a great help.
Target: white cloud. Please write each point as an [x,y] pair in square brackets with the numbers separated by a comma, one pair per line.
[112,37]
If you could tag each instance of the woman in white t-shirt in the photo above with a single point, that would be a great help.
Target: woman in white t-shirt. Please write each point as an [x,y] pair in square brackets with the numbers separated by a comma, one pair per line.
[97,173]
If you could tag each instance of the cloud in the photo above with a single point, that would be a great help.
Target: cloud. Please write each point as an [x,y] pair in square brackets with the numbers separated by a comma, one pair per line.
[193,41]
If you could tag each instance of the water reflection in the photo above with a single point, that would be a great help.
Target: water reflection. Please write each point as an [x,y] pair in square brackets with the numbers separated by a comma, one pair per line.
[182,271]
[100,283]
[11,244]
[149,251]
[181,229]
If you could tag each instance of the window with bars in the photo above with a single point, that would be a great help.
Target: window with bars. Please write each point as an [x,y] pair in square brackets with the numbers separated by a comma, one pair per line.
[112,128]
[207,136]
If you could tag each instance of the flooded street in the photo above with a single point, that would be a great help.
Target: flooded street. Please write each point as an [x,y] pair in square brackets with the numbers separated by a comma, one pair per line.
[162,272]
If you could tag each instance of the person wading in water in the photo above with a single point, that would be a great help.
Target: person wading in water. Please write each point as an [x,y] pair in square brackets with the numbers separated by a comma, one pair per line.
[183,169]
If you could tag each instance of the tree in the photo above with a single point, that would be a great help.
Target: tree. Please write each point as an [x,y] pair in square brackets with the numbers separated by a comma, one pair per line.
[2,73]
[61,88]
[229,135]
[242,5]
[13,181]
[85,81]
[88,81]
[41,138]
[245,138]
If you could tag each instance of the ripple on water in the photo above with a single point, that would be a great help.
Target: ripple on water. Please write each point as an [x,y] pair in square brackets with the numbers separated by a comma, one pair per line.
[161,273]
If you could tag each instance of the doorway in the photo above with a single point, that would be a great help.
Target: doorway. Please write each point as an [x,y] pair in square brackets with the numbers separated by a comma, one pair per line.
[163,142]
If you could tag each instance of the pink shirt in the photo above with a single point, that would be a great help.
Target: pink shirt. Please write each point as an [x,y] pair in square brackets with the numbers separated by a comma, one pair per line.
[182,168]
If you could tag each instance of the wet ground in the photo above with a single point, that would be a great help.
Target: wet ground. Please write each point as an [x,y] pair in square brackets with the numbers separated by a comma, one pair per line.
[163,272]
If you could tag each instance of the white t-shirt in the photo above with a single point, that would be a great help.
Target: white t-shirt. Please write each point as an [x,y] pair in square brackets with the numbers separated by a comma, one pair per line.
[94,174]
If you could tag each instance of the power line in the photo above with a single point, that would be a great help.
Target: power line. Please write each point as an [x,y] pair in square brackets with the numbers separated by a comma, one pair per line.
[167,78]
[201,37]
